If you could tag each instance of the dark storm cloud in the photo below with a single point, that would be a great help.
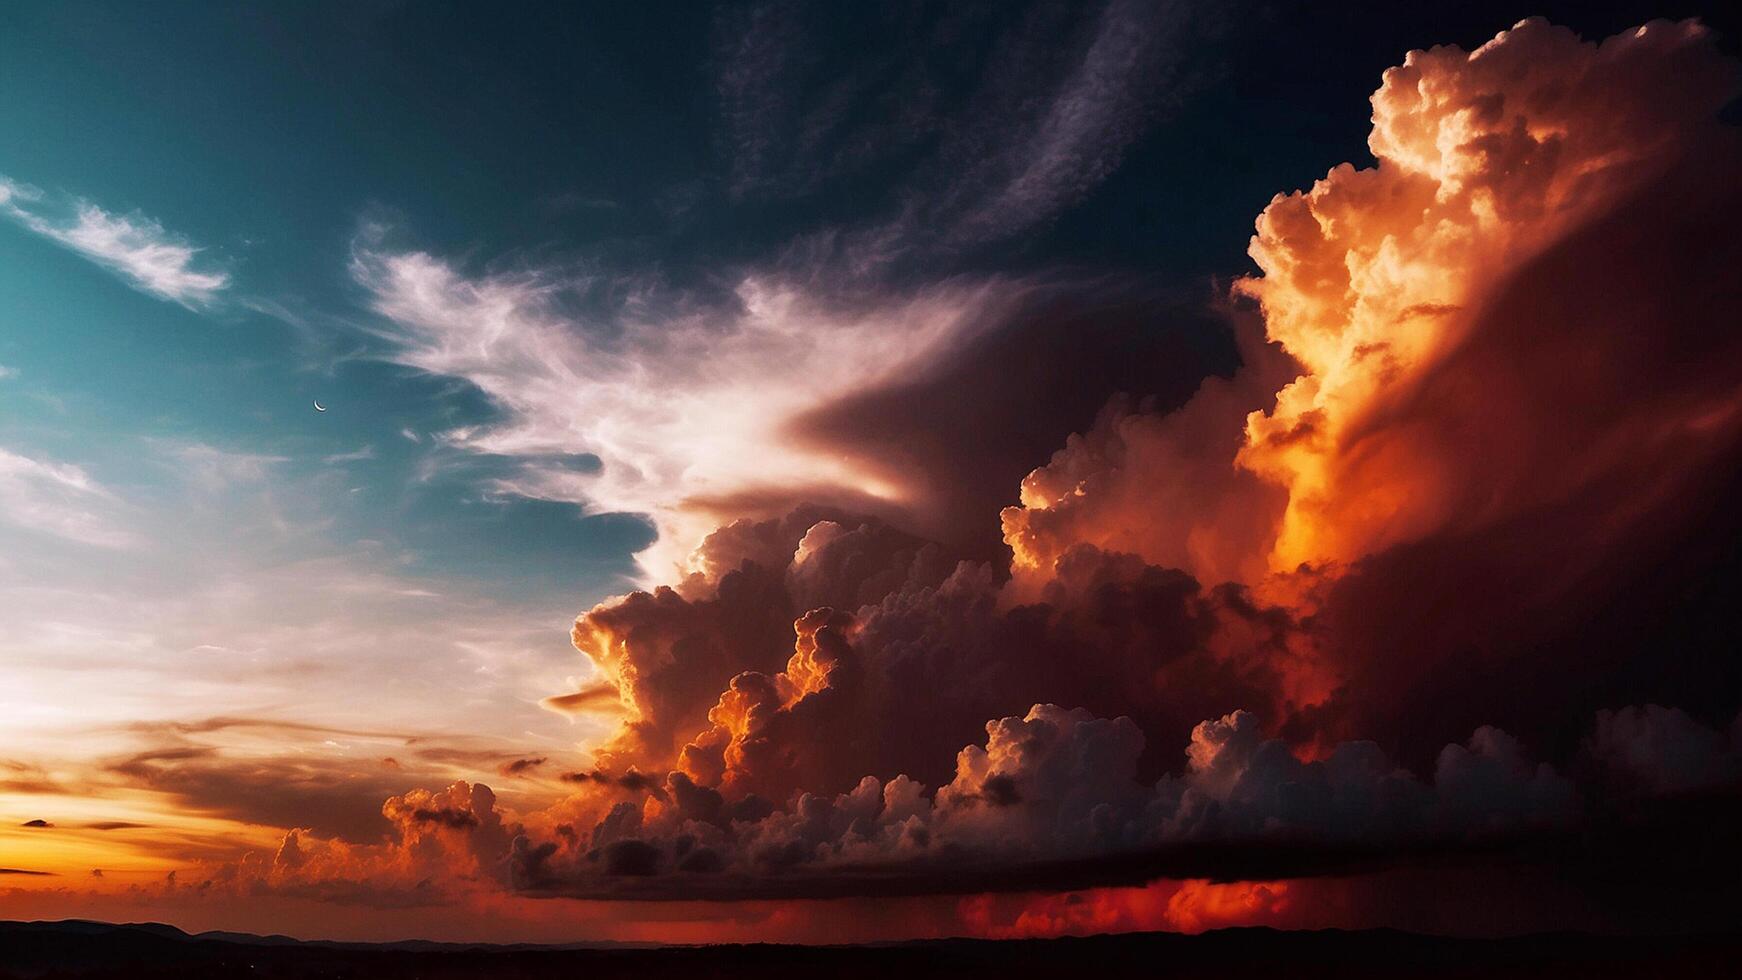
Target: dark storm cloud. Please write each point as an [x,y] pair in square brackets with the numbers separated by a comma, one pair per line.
[327,795]
[630,781]
[1411,587]
[220,723]
[446,817]
[1247,808]
[457,755]
[521,767]
[1041,372]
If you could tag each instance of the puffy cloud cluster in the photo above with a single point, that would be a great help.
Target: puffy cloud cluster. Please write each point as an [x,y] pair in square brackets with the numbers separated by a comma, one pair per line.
[894,656]
[441,843]
[1161,485]
[1658,751]
[1045,798]
[671,652]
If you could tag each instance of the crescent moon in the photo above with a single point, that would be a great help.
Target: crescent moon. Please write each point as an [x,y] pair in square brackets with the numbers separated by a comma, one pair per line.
[318,407]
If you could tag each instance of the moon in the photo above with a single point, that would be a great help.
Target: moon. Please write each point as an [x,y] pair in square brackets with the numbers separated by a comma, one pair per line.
[318,406]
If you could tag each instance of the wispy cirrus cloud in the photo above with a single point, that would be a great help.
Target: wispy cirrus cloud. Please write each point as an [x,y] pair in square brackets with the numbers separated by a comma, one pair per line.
[1061,94]
[135,247]
[58,499]
[215,469]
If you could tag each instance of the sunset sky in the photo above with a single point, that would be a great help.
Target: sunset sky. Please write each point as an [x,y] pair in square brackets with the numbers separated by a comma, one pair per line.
[850,472]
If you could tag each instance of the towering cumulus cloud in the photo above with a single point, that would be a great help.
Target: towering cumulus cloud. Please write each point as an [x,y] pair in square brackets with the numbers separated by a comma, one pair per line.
[1377,584]
[1447,313]
[1398,287]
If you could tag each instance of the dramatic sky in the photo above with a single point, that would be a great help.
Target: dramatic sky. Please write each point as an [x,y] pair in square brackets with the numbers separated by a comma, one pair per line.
[834,472]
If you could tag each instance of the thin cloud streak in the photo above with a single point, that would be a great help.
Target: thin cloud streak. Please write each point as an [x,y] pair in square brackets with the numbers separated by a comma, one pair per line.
[1062,93]
[58,499]
[135,247]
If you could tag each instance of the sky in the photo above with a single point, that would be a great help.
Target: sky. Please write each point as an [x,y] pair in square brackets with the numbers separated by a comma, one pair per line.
[790,471]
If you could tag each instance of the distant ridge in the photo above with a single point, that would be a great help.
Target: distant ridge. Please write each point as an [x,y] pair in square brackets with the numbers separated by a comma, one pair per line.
[84,949]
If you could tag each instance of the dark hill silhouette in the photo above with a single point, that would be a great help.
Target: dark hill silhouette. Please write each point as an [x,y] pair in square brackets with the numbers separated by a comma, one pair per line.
[78,949]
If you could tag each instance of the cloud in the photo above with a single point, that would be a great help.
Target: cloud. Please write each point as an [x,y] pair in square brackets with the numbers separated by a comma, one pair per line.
[273,726]
[965,430]
[747,390]
[1388,286]
[214,470]
[59,499]
[683,407]
[1661,751]
[327,794]
[1486,408]
[793,381]
[1161,485]
[1403,301]
[521,767]
[630,781]
[1099,107]
[134,247]
[1049,799]
[582,702]
[1057,96]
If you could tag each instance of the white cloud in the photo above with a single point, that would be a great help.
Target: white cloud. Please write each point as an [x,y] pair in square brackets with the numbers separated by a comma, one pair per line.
[135,247]
[681,408]
[354,456]
[215,469]
[58,499]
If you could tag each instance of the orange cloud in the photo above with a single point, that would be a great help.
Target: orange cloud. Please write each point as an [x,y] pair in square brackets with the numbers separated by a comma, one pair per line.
[1376,277]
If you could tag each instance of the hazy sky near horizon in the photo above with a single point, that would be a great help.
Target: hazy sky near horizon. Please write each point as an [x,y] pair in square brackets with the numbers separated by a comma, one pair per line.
[566,280]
